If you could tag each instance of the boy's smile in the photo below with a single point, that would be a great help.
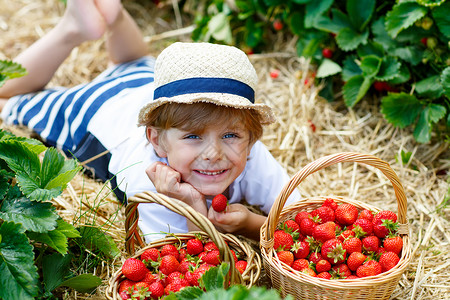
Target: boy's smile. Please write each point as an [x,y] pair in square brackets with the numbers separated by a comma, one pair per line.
[209,160]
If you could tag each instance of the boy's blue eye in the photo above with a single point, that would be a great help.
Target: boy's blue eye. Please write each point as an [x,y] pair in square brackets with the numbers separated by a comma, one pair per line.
[230,135]
[191,136]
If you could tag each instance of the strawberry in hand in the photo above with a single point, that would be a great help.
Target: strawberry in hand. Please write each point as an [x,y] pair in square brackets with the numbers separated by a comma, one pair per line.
[219,203]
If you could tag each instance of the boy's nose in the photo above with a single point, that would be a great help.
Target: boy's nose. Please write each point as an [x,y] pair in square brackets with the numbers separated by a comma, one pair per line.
[212,152]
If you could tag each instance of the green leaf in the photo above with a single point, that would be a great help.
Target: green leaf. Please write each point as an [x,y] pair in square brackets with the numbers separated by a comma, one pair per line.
[84,283]
[219,28]
[55,268]
[34,216]
[400,109]
[370,65]
[429,115]
[441,17]
[388,69]
[404,157]
[355,89]
[411,54]
[314,9]
[430,87]
[10,70]
[18,274]
[351,68]
[188,293]
[328,68]
[19,157]
[445,81]
[67,229]
[381,36]
[296,22]
[402,16]
[214,278]
[33,145]
[348,39]
[403,75]
[360,12]
[95,239]
[309,44]
[370,48]
[54,239]
[253,34]
[4,182]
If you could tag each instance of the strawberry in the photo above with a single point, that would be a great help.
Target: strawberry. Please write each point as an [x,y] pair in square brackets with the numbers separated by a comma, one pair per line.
[327,53]
[149,278]
[170,249]
[384,222]
[393,244]
[286,256]
[307,226]
[323,214]
[346,214]
[345,235]
[134,269]
[388,260]
[124,295]
[333,251]
[352,277]
[355,260]
[323,265]
[300,249]
[277,24]
[324,232]
[210,246]
[341,270]
[125,285]
[366,214]
[370,243]
[329,202]
[300,264]
[168,264]
[151,254]
[309,271]
[290,226]
[176,285]
[362,227]
[315,257]
[241,265]
[324,275]
[274,73]
[194,246]
[173,275]
[183,253]
[369,268]
[141,290]
[234,255]
[212,257]
[184,265]
[282,240]
[194,278]
[219,203]
[352,244]
[302,215]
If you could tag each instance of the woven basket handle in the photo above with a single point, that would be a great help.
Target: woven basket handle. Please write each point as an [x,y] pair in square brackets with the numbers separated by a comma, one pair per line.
[329,160]
[132,234]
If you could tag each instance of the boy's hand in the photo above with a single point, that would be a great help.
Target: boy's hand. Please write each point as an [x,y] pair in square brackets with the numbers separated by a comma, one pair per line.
[167,181]
[232,219]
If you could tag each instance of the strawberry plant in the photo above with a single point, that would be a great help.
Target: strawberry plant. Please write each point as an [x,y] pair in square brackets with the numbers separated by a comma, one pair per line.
[39,251]
[10,70]
[398,51]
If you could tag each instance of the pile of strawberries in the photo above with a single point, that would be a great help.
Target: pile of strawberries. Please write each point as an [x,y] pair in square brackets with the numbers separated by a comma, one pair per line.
[339,241]
[169,268]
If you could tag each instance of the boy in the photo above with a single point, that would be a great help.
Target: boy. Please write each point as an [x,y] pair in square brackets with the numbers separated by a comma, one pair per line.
[196,102]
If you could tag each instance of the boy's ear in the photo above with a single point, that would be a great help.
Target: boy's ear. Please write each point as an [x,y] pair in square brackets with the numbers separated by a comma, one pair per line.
[155,139]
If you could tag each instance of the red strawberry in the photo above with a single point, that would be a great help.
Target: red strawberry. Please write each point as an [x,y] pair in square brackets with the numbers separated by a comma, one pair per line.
[170,249]
[309,271]
[307,227]
[134,269]
[388,260]
[333,251]
[277,24]
[194,246]
[156,290]
[274,73]
[219,203]
[151,254]
[173,275]
[329,202]
[241,265]
[384,222]
[315,257]
[352,277]
[369,268]
[362,227]
[323,265]
[346,214]
[210,246]
[302,215]
[341,270]
[366,214]
[125,285]
[300,249]
[323,214]
[234,255]
[324,275]
[197,274]
[291,226]
[393,244]
[176,285]
[212,257]
[282,240]
[300,264]
[286,256]
[352,244]
[184,265]
[149,278]
[168,264]
[345,235]
[141,290]
[355,260]
[371,243]
[124,295]
[183,252]
[327,53]
[324,232]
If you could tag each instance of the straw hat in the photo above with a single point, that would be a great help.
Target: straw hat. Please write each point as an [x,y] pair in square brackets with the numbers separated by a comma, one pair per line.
[204,72]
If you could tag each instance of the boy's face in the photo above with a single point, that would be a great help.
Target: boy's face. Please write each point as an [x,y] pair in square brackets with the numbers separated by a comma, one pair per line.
[209,160]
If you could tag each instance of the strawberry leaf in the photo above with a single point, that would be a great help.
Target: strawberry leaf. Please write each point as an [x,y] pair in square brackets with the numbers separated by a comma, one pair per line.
[445,81]
[429,115]
[402,16]
[95,239]
[84,283]
[34,216]
[430,88]
[55,268]
[328,68]
[9,70]
[440,15]
[360,12]
[389,69]
[355,89]
[54,239]
[314,10]
[400,109]
[18,274]
[349,39]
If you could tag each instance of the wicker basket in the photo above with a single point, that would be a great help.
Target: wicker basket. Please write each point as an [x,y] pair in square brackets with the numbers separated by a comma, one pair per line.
[302,286]
[224,242]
